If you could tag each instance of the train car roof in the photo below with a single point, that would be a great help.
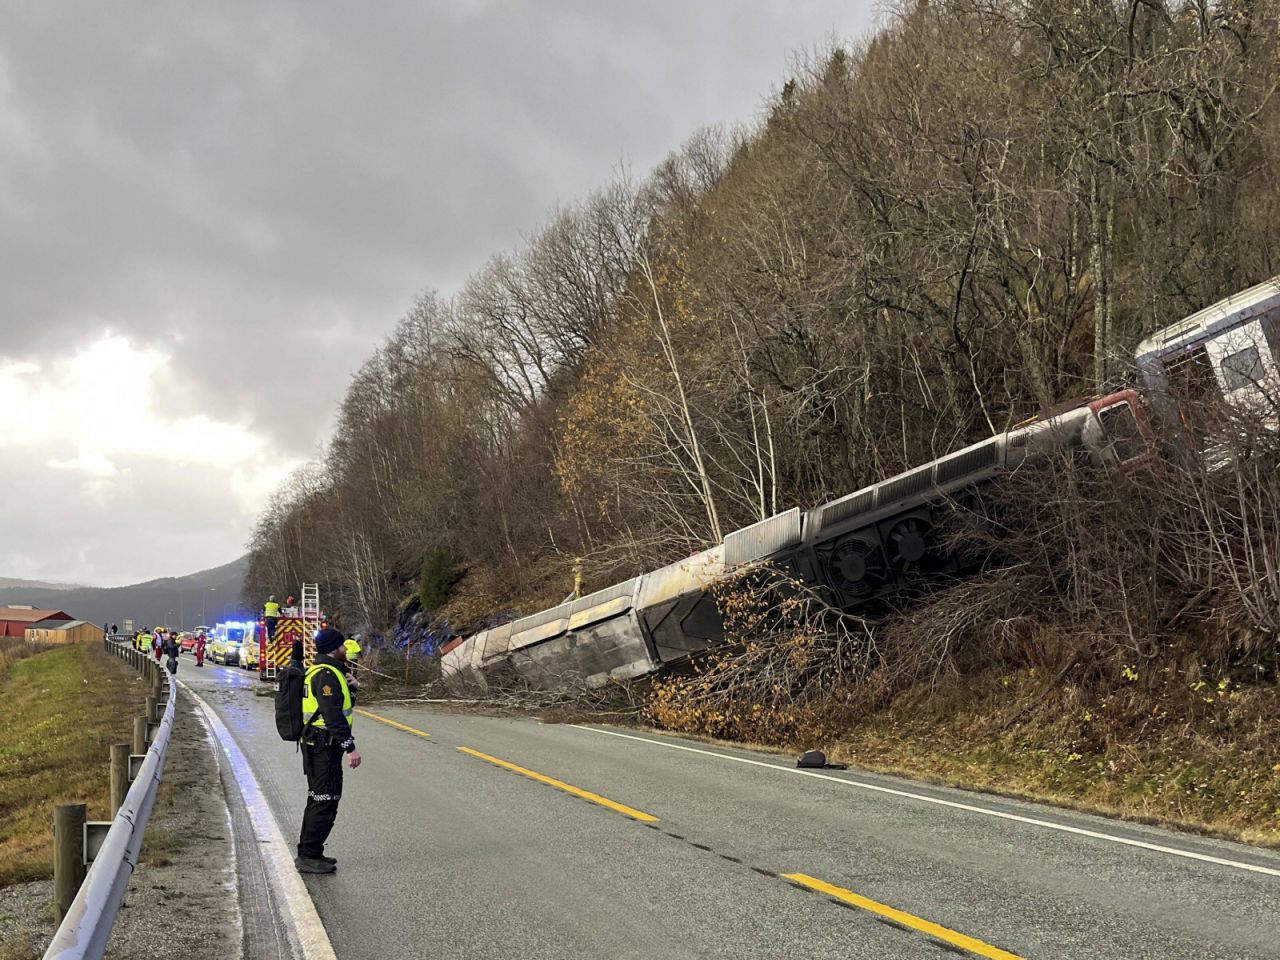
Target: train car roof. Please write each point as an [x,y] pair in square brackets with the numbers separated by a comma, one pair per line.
[1213,319]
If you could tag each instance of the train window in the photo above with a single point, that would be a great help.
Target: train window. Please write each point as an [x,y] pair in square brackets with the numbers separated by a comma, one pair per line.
[1242,368]
[1191,375]
[1122,431]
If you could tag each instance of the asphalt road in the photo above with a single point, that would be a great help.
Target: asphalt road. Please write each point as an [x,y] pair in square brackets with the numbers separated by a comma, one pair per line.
[684,850]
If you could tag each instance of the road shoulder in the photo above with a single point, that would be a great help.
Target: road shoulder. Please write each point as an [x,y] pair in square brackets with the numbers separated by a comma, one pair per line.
[182,899]
[280,919]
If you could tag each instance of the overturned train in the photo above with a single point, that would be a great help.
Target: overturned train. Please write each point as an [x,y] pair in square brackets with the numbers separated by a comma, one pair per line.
[853,549]
[874,540]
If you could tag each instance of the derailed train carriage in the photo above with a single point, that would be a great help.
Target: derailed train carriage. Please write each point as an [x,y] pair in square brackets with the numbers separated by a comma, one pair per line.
[869,543]
[853,549]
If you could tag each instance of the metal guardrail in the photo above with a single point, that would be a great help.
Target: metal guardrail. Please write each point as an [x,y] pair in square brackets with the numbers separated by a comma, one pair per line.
[86,928]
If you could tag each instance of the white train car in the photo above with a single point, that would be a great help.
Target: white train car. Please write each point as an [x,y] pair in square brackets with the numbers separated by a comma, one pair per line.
[1228,351]
[874,540]
[677,607]
[586,642]
[855,548]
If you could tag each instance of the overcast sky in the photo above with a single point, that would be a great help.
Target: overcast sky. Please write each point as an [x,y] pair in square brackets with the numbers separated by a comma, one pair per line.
[211,213]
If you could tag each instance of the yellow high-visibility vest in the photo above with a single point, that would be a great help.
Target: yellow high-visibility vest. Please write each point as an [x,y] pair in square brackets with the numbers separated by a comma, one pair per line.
[311,705]
[272,609]
[353,649]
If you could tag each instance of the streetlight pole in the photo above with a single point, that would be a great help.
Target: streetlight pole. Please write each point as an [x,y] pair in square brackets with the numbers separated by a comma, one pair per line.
[203,618]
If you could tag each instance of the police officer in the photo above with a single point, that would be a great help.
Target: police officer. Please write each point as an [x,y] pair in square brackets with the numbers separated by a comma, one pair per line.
[326,736]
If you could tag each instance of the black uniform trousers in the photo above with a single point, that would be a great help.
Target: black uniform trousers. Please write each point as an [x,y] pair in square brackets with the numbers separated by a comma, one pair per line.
[322,764]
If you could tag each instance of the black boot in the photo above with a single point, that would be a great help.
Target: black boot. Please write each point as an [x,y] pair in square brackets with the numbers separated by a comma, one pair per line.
[312,865]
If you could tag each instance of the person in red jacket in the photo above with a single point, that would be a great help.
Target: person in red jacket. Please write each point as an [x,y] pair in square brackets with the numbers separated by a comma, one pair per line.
[200,645]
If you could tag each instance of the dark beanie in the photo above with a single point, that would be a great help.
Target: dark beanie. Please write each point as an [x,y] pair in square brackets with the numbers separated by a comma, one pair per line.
[328,640]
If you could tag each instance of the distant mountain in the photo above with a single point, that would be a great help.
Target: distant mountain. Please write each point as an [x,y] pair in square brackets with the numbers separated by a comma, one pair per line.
[17,582]
[204,597]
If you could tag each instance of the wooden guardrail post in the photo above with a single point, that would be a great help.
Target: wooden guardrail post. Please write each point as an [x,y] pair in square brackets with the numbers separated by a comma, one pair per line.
[119,774]
[152,710]
[139,734]
[68,855]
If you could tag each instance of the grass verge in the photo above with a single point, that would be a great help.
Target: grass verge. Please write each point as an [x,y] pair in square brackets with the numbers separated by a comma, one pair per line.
[1163,745]
[1200,756]
[68,705]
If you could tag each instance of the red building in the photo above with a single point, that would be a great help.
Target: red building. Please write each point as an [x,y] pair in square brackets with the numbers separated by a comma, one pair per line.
[15,620]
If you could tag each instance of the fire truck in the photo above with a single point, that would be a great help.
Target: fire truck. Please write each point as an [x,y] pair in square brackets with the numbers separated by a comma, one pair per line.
[300,623]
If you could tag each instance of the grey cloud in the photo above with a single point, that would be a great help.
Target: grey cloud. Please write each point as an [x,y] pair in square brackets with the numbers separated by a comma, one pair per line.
[160,519]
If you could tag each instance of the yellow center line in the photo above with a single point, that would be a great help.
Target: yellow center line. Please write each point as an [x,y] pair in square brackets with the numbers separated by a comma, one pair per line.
[392,723]
[566,787]
[906,919]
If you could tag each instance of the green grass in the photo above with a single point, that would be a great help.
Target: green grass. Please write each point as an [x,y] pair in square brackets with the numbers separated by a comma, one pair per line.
[63,707]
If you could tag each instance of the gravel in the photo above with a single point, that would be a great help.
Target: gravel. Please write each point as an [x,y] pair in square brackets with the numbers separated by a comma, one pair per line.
[182,900]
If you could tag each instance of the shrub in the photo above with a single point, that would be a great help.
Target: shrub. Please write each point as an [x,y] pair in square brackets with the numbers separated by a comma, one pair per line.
[439,575]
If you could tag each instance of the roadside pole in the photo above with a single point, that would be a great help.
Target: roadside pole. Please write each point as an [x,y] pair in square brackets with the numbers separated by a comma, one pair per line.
[119,776]
[68,855]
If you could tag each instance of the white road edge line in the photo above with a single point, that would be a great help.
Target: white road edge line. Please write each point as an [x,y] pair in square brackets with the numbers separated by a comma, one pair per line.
[305,929]
[985,811]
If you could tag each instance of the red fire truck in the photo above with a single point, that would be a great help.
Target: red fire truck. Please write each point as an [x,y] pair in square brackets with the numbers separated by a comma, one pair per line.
[296,623]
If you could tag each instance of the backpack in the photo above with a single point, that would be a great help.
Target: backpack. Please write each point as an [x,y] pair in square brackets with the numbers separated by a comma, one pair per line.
[289,692]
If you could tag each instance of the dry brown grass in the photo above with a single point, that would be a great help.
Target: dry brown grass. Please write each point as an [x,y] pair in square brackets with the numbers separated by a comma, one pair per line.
[1145,743]
[483,590]
[13,649]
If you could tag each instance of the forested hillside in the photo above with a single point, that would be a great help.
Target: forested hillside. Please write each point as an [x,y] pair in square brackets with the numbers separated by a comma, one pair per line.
[931,233]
